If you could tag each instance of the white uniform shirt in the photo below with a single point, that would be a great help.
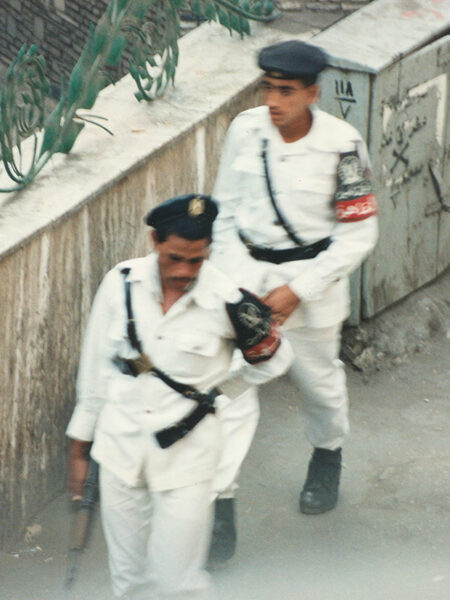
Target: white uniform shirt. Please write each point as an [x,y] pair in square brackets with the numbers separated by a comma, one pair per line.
[192,343]
[303,176]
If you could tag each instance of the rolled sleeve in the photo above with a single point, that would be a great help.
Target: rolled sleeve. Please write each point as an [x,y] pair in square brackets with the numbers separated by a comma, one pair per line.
[95,364]
[84,419]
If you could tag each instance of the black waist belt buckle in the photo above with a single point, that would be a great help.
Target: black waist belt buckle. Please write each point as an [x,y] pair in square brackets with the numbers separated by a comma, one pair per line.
[285,255]
[169,435]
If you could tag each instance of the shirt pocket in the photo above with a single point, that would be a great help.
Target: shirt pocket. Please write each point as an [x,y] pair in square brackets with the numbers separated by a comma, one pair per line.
[191,353]
[248,164]
[313,173]
[251,176]
[118,341]
[199,342]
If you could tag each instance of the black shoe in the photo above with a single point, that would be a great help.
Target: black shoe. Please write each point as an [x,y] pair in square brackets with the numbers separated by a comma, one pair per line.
[223,541]
[320,492]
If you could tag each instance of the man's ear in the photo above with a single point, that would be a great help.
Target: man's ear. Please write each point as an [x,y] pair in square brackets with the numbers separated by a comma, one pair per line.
[153,238]
[314,93]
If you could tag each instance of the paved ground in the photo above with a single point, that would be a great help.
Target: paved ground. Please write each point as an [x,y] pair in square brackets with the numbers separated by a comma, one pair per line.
[388,539]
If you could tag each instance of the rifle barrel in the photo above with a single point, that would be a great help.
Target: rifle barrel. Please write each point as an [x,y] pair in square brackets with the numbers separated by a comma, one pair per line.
[82,522]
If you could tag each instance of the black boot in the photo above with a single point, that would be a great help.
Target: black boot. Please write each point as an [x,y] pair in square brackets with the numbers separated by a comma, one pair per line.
[320,492]
[223,541]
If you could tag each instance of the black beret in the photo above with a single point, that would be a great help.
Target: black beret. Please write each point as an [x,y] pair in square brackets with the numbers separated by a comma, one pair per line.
[190,216]
[292,60]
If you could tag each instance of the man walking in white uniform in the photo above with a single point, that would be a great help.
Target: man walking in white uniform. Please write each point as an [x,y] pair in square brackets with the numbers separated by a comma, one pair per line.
[159,340]
[296,217]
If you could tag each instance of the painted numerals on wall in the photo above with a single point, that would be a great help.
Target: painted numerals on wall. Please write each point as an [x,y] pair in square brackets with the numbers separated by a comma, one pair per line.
[345,96]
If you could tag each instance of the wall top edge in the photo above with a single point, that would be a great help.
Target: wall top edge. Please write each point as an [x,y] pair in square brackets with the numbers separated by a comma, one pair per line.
[382,32]
[213,68]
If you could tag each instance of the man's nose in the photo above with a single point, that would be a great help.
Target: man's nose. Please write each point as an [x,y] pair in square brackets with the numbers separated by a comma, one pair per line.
[272,99]
[186,269]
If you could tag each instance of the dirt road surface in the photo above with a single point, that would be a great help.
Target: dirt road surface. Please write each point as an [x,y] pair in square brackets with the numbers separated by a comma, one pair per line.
[388,539]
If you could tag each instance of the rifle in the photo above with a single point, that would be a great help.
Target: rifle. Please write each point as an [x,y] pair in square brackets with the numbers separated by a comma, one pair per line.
[82,523]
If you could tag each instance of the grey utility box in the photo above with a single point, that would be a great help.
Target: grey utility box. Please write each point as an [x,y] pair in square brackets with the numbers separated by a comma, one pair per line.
[390,79]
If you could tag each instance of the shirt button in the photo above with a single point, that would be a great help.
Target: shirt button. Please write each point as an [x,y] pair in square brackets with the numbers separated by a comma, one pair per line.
[148,412]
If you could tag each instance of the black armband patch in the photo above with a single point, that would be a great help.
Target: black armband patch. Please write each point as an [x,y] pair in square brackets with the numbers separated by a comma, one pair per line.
[353,200]
[256,334]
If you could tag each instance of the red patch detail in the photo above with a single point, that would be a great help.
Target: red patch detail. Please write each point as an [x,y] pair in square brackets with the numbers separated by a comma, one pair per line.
[357,209]
[265,349]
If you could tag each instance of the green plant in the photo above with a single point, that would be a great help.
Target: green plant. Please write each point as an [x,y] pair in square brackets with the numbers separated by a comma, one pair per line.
[152,44]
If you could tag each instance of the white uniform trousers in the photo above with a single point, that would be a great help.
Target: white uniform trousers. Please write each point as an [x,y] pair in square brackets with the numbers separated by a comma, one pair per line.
[319,376]
[157,541]
[238,421]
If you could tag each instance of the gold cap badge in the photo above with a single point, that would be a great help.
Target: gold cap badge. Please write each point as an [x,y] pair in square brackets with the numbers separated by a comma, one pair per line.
[196,207]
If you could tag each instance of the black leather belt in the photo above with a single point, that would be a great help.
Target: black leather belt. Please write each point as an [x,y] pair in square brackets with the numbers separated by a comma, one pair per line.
[285,255]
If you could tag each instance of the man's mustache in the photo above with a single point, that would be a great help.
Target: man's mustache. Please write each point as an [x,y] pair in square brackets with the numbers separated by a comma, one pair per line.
[183,280]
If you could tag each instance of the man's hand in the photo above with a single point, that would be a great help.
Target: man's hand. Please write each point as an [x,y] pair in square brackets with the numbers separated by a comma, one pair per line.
[282,301]
[257,335]
[78,467]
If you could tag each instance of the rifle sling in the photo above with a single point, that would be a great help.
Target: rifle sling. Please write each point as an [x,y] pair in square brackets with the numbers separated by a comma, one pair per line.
[281,219]
[205,402]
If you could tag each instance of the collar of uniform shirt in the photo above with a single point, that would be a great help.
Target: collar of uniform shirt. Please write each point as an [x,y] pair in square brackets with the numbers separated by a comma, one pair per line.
[317,138]
[146,271]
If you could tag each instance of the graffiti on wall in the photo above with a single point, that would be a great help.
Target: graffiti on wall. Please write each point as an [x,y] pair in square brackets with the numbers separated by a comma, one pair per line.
[413,129]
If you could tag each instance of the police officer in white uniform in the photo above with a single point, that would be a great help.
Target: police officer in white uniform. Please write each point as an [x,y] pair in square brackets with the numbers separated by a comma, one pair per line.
[296,217]
[159,340]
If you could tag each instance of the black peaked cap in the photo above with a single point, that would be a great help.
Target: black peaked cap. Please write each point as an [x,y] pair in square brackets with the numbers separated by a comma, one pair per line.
[292,60]
[188,215]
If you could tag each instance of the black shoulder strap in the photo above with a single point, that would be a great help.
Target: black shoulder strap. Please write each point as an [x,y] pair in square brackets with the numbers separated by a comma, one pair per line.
[286,226]
[182,388]
[131,327]
[168,436]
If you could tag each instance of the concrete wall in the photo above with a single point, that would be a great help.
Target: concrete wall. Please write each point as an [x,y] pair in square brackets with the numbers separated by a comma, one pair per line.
[83,214]
[346,6]
[394,89]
